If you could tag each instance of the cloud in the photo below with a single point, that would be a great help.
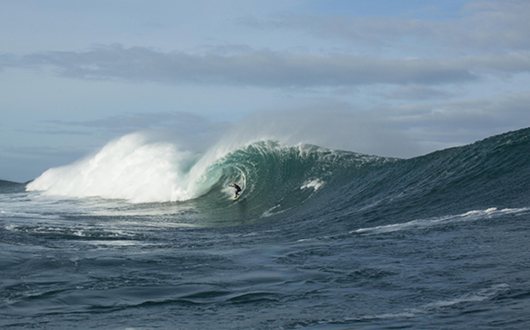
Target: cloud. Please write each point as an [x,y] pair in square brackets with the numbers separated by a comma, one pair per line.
[483,26]
[181,121]
[21,164]
[416,92]
[456,122]
[266,68]
[191,130]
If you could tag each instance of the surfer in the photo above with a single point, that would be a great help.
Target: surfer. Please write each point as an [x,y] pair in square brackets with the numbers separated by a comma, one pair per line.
[238,189]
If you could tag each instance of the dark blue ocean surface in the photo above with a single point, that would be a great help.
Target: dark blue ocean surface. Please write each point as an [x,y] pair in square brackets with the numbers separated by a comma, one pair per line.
[320,239]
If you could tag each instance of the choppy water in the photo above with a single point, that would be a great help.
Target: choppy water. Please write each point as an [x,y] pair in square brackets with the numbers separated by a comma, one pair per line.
[320,239]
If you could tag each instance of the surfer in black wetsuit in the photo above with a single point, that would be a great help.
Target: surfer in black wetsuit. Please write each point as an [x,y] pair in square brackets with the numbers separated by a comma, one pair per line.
[238,189]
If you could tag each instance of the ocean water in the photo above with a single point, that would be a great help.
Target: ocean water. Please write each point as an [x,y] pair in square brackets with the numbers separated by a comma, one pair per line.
[144,235]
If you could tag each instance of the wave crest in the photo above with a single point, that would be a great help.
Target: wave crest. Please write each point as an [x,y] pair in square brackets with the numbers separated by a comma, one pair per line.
[130,168]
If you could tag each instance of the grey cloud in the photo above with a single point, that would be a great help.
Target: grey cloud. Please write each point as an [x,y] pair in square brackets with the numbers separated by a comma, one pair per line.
[183,122]
[21,164]
[191,130]
[43,152]
[258,68]
[483,25]
[8,60]
[416,92]
[504,63]
[372,31]
[268,69]
[457,122]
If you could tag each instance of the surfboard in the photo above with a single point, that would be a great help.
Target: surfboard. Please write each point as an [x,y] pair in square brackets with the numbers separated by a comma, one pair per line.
[236,198]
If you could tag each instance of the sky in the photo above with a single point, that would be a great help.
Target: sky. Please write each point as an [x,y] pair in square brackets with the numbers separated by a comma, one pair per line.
[384,77]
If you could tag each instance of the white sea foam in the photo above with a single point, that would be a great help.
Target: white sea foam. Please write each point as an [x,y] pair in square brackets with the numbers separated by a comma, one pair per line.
[481,295]
[315,184]
[424,223]
[270,212]
[474,297]
[130,168]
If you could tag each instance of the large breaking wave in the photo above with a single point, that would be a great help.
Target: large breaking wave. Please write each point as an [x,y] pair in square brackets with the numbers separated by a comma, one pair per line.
[280,178]
[139,170]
